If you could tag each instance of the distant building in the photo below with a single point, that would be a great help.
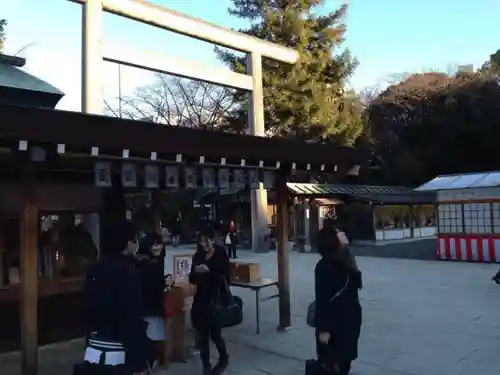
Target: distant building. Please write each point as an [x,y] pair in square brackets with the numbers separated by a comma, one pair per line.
[469,68]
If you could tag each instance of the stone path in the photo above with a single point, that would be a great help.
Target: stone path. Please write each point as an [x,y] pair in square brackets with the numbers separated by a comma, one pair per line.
[420,318]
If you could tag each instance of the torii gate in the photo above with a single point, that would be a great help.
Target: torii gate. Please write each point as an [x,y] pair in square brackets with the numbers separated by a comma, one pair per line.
[164,18]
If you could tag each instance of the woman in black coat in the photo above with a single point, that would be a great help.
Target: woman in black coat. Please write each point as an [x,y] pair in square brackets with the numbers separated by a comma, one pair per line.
[338,311]
[113,309]
[210,273]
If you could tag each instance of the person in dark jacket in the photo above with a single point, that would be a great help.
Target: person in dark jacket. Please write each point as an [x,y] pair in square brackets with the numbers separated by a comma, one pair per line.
[117,341]
[338,310]
[231,239]
[175,229]
[210,273]
[150,262]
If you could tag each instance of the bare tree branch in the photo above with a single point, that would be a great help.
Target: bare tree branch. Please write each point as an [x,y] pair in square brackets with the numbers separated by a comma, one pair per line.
[178,102]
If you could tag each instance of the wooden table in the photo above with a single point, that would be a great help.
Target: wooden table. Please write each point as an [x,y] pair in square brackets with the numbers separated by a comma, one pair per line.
[256,286]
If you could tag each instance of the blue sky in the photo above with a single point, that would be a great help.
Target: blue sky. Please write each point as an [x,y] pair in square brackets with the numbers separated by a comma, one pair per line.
[387,36]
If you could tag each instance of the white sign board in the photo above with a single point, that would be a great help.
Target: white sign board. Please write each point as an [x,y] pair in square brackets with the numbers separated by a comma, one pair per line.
[182,267]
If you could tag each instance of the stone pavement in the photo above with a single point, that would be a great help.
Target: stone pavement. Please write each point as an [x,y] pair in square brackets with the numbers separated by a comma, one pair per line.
[420,318]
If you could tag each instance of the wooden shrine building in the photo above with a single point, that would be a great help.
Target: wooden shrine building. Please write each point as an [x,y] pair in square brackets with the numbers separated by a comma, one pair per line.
[55,161]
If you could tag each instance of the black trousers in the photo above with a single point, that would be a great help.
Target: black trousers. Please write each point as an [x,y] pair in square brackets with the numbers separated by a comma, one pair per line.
[231,251]
[94,369]
[332,365]
[205,334]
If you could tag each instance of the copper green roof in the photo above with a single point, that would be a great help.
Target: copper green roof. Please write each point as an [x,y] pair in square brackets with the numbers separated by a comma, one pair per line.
[339,189]
[364,193]
[16,78]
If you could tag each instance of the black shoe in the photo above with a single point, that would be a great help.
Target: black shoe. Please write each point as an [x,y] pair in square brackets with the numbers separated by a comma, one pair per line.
[207,370]
[496,279]
[221,366]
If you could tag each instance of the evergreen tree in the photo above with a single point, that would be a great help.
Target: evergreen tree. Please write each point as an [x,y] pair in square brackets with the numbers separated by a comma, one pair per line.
[493,64]
[305,100]
[3,24]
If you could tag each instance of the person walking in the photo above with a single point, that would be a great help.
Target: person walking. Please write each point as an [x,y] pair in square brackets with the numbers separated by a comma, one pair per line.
[210,273]
[338,310]
[116,339]
[175,230]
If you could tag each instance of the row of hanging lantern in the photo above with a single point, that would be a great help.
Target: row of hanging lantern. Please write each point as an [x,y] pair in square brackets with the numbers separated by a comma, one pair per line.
[188,177]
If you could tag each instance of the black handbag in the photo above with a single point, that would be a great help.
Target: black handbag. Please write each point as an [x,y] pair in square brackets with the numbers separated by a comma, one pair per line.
[227,310]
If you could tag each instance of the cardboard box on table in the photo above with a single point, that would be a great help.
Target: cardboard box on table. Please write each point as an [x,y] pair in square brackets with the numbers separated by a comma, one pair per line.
[245,271]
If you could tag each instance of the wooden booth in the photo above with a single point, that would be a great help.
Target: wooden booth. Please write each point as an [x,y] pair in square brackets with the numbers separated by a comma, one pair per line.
[468,216]
[370,213]
[56,163]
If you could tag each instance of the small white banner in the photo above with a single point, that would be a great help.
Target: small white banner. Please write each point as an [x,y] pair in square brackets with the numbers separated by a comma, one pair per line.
[151,177]
[172,177]
[239,179]
[102,174]
[129,175]
[190,178]
[224,179]
[253,179]
[208,177]
[269,179]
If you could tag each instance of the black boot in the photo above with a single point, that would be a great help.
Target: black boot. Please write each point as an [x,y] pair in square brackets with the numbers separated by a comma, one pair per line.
[221,366]
[207,369]
[496,279]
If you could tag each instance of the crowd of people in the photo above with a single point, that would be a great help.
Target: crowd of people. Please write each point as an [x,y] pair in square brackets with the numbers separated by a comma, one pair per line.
[124,301]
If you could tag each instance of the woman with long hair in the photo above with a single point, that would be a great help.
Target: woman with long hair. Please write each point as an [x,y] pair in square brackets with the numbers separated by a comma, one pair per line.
[338,310]
[210,273]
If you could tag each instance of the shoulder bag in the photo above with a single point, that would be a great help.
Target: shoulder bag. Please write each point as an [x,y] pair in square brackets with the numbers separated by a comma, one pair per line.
[227,310]
[311,310]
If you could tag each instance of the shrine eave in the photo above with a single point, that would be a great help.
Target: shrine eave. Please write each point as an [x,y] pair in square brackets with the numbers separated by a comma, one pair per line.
[84,132]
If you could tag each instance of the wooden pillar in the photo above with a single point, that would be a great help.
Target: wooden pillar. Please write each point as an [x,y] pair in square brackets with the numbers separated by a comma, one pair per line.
[156,201]
[29,273]
[283,252]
